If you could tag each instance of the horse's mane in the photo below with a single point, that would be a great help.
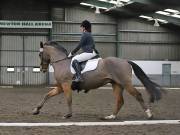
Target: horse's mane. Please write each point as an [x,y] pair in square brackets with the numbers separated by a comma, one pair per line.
[56,45]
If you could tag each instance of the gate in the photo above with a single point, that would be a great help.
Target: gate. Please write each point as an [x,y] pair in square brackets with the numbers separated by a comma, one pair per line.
[166,74]
[20,60]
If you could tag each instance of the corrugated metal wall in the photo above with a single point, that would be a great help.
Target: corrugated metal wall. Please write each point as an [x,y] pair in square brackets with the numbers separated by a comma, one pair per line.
[20,47]
[21,53]
[143,42]
[140,41]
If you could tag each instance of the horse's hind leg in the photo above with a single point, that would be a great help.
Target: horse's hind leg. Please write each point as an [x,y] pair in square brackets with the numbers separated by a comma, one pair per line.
[133,91]
[119,101]
[51,93]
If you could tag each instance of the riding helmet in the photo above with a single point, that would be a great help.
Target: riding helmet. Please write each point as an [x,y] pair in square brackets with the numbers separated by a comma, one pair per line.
[87,25]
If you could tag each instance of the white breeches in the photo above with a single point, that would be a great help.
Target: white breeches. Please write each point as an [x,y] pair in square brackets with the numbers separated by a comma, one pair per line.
[84,56]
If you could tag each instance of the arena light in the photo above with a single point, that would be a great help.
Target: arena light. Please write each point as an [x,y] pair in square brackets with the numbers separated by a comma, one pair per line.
[125,1]
[103,0]
[102,7]
[163,13]
[92,6]
[111,8]
[146,17]
[116,3]
[119,3]
[113,2]
[162,21]
[156,20]
[172,11]
[177,16]
[86,4]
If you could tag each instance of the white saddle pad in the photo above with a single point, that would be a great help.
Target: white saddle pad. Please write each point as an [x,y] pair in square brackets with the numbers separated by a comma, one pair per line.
[90,65]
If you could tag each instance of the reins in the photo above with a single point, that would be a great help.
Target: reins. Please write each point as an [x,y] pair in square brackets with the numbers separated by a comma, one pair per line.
[59,60]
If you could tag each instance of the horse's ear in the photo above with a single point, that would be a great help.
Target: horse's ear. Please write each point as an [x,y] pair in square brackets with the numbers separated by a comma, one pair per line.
[41,44]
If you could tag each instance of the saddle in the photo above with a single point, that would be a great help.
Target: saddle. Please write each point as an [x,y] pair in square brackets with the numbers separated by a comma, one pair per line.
[88,65]
[83,64]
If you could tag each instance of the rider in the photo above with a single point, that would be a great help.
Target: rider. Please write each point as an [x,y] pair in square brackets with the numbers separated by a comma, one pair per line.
[88,49]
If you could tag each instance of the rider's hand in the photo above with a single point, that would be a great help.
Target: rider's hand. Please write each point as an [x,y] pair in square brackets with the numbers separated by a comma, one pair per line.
[70,55]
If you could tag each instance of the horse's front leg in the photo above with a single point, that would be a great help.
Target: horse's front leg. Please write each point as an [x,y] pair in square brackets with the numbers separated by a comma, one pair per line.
[51,93]
[68,95]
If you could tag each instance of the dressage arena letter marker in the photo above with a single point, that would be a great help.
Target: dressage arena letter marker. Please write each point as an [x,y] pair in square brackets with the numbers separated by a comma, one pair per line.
[125,123]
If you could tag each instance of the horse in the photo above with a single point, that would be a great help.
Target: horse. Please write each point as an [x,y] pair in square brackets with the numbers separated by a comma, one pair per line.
[113,70]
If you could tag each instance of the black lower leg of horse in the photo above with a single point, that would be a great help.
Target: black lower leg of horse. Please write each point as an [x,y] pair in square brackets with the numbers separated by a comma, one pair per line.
[36,110]
[133,91]
[40,105]
[141,101]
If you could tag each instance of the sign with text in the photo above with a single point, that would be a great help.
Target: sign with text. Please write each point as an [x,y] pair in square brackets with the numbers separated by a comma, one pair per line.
[25,24]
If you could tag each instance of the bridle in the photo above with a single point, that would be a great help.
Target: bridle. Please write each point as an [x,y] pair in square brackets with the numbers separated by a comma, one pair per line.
[51,61]
[59,60]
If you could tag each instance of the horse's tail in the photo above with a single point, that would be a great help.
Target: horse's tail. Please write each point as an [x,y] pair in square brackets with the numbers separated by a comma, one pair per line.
[153,89]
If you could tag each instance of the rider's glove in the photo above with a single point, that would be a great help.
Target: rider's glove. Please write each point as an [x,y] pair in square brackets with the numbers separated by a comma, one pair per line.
[70,55]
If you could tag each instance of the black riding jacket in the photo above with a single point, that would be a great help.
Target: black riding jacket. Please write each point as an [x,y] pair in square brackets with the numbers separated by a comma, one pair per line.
[86,43]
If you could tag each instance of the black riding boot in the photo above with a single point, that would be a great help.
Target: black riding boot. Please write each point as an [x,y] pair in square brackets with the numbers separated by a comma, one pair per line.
[77,68]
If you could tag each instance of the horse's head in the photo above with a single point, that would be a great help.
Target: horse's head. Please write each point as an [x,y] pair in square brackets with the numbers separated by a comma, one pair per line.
[44,57]
[51,52]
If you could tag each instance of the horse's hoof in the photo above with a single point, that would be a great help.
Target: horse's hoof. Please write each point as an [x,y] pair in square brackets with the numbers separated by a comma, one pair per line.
[36,111]
[67,116]
[110,117]
[149,114]
[86,91]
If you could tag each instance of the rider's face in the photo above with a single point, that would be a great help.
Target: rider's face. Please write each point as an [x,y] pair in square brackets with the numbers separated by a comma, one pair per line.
[82,29]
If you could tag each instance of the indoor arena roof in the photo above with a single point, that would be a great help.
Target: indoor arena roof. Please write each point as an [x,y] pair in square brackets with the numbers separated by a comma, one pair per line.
[159,12]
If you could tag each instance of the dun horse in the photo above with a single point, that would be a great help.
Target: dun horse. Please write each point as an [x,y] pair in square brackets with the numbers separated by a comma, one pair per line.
[112,70]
